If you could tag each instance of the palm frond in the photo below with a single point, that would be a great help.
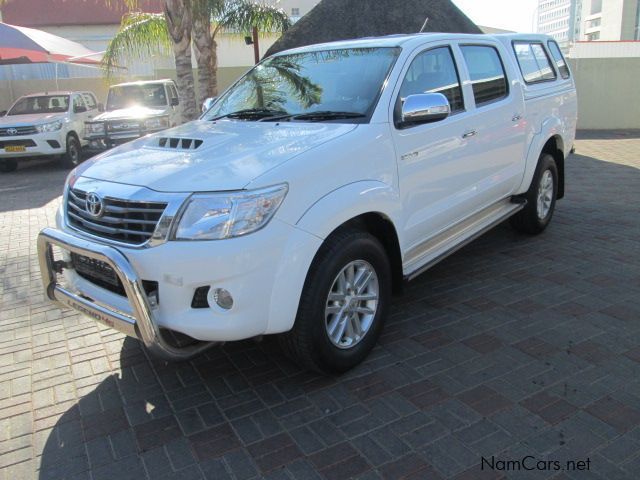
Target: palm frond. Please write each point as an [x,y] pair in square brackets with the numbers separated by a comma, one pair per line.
[243,15]
[141,35]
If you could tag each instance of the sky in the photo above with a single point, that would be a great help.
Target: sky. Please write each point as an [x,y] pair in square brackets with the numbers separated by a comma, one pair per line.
[515,15]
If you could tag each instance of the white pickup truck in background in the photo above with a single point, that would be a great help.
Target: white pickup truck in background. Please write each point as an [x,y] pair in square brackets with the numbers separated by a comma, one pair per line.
[134,109]
[313,187]
[45,124]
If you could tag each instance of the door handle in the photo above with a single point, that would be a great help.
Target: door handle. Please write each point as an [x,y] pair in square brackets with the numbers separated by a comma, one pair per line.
[516,117]
[470,133]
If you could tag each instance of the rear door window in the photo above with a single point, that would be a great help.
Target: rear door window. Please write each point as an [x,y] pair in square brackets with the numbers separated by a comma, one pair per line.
[486,71]
[561,64]
[534,62]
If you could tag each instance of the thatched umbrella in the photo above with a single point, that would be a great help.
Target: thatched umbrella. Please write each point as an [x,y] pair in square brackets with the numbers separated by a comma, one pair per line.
[344,19]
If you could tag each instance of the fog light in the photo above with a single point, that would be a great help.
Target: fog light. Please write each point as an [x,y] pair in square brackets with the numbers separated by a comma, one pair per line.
[222,298]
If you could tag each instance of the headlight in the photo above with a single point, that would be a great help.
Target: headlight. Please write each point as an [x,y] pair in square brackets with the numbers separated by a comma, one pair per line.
[49,127]
[214,216]
[94,128]
[156,122]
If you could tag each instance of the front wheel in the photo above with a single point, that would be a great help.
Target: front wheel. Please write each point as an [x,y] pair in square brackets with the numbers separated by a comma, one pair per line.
[541,198]
[71,158]
[343,304]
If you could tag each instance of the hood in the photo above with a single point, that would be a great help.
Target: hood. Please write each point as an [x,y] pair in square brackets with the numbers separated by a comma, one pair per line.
[30,119]
[231,154]
[129,113]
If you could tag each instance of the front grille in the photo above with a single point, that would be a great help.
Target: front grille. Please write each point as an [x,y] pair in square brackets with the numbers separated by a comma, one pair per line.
[97,272]
[123,126]
[10,143]
[101,274]
[4,132]
[120,220]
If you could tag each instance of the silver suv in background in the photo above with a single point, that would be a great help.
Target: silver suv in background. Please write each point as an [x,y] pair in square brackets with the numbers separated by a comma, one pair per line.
[133,110]
[45,124]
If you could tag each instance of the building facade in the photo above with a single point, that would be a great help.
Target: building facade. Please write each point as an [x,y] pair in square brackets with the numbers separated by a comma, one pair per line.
[570,21]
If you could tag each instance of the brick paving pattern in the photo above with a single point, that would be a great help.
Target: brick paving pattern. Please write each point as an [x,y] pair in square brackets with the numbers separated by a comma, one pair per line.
[514,346]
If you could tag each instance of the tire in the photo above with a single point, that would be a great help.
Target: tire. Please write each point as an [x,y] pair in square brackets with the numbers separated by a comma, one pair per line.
[541,198]
[309,343]
[8,165]
[72,156]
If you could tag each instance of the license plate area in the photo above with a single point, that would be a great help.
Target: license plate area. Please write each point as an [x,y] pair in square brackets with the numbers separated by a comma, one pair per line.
[15,148]
[97,272]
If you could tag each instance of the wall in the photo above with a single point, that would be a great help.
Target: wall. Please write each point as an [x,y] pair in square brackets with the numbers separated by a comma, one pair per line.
[607,92]
[12,90]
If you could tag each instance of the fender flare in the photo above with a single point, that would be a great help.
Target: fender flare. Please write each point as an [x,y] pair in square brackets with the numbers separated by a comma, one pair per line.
[350,201]
[551,127]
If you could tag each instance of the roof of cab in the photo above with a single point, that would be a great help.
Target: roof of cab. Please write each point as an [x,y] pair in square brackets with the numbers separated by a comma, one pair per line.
[144,82]
[55,92]
[413,40]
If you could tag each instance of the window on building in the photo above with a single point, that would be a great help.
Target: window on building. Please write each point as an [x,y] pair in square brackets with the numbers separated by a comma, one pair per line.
[534,62]
[487,74]
[561,64]
[434,71]
[596,6]
[592,37]
[295,12]
[596,22]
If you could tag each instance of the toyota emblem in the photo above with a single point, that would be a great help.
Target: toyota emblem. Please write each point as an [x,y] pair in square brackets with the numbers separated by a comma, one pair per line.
[12,131]
[94,205]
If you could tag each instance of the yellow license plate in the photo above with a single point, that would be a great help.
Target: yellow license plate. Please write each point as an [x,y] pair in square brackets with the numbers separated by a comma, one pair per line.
[15,148]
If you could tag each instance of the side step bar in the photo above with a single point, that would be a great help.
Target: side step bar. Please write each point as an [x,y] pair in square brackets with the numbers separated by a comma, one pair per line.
[437,248]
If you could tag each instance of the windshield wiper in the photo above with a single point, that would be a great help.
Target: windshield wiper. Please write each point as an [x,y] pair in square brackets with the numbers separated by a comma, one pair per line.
[252,113]
[320,115]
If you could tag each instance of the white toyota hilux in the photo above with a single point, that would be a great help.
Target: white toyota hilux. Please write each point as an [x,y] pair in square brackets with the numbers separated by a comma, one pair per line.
[311,189]
[45,124]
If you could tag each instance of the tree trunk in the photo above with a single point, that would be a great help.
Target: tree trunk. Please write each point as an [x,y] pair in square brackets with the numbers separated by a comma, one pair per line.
[179,24]
[214,69]
[203,43]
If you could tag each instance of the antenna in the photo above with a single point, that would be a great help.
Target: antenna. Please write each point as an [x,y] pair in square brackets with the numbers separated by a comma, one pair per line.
[424,25]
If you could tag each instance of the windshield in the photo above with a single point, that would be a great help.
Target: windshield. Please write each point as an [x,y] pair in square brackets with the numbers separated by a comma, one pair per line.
[344,80]
[42,104]
[136,96]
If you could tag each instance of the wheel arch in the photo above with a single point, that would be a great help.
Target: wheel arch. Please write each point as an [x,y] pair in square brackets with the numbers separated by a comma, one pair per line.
[371,206]
[554,146]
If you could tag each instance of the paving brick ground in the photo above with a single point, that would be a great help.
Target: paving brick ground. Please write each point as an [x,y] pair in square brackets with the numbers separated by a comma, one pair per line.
[514,346]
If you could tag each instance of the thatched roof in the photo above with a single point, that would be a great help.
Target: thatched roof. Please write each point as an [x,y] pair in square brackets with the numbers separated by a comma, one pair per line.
[345,19]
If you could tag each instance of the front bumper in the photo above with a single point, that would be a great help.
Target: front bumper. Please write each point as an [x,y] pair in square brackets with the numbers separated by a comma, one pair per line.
[264,272]
[141,324]
[113,139]
[38,144]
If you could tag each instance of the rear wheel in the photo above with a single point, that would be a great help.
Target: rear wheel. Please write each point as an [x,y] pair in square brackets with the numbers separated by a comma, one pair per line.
[343,304]
[541,198]
[72,157]
[8,165]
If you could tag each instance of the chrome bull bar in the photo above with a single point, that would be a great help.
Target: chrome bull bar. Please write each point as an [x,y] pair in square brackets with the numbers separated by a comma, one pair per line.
[142,325]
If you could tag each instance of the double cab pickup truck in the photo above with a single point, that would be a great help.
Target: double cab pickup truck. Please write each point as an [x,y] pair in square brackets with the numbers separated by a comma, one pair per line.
[45,124]
[134,109]
[312,189]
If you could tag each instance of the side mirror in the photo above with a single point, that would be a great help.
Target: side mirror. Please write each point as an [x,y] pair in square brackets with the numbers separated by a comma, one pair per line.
[208,103]
[424,108]
[101,107]
[79,109]
[175,101]
[3,113]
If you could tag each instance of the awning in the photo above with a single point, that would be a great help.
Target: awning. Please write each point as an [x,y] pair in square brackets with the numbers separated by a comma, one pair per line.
[28,45]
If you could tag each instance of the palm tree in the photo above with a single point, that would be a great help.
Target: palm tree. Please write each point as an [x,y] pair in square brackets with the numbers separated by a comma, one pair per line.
[145,34]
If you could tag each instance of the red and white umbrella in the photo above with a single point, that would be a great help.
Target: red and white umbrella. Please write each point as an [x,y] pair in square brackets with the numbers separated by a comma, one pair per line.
[28,45]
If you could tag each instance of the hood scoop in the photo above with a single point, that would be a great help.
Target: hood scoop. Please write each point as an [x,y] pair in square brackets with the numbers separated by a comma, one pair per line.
[179,143]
